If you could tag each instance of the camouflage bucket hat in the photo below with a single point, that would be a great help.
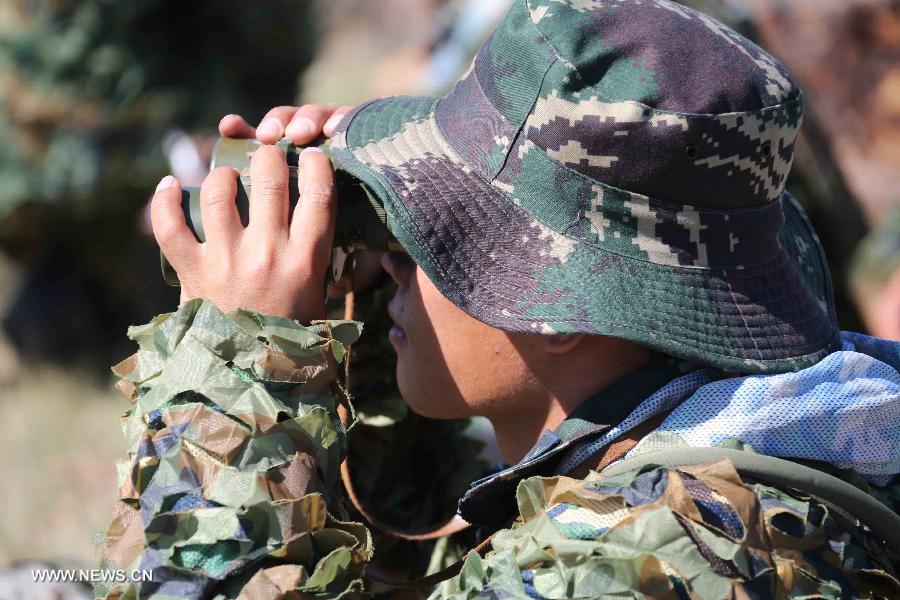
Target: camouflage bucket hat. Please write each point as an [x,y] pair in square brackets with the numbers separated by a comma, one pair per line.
[610,167]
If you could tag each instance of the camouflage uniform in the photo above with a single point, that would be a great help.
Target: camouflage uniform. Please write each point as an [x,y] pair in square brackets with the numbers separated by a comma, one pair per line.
[610,167]
[693,532]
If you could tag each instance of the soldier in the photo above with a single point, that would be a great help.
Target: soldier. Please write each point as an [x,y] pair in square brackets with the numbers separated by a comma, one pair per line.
[601,259]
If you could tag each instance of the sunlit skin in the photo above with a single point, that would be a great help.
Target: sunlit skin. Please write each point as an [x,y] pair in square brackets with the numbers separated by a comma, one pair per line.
[449,365]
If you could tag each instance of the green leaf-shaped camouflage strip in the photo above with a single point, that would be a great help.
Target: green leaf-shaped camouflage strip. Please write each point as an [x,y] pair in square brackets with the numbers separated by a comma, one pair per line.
[234,453]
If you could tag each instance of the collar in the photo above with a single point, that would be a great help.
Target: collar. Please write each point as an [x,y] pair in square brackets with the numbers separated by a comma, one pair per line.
[489,500]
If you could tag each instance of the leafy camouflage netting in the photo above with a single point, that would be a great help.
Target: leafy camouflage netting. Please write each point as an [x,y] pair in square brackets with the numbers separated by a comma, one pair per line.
[234,452]
[698,532]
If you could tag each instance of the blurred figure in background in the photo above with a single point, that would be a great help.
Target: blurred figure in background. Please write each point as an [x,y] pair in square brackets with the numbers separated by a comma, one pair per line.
[875,277]
[88,92]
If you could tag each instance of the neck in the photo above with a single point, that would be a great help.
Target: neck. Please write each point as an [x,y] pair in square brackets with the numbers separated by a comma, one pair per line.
[517,433]
[555,394]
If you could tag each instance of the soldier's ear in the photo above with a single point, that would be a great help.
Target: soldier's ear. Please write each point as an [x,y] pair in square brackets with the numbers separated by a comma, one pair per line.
[560,343]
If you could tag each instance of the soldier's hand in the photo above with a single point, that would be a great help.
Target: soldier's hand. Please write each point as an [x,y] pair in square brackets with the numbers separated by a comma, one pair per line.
[277,264]
[301,124]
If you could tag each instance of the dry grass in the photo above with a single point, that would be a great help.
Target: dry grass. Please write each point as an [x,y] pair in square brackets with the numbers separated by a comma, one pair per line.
[60,439]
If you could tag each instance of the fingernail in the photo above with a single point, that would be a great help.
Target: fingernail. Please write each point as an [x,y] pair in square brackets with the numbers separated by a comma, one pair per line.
[299,128]
[270,128]
[165,183]
[333,121]
[311,149]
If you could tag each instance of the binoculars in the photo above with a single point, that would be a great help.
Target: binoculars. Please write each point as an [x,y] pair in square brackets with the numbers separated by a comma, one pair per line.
[361,220]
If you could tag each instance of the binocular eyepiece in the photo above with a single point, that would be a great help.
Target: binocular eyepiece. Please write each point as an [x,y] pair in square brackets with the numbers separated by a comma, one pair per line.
[361,220]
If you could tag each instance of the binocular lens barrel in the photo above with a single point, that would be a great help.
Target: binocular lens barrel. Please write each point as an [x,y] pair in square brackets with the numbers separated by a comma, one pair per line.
[361,220]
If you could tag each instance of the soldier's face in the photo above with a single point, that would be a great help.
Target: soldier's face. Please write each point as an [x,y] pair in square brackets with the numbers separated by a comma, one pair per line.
[450,365]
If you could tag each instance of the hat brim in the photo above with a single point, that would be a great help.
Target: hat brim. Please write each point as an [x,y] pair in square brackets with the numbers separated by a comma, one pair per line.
[501,266]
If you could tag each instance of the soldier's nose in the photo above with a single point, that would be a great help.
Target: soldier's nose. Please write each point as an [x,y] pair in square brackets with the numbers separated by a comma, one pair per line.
[399,266]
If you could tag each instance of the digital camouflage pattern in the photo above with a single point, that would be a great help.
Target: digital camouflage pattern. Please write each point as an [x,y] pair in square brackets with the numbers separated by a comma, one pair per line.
[577,180]
[694,532]
[819,179]
[231,483]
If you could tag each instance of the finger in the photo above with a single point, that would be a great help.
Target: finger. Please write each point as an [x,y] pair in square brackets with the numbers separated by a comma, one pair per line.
[218,210]
[335,119]
[271,128]
[234,126]
[268,194]
[307,122]
[175,240]
[312,228]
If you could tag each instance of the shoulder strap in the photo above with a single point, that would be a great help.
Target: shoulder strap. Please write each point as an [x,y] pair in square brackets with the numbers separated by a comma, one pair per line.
[768,469]
[449,527]
[446,528]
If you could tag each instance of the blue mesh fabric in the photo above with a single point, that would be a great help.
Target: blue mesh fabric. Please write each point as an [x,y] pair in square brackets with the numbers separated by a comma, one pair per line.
[843,410]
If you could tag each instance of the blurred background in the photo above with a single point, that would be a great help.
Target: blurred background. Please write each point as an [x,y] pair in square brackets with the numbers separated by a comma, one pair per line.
[99,99]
